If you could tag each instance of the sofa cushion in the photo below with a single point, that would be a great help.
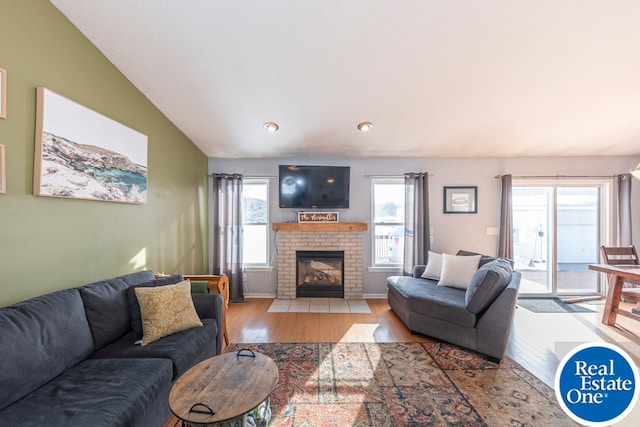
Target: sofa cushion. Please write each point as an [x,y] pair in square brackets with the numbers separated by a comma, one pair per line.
[418,270]
[97,393]
[134,307]
[107,310]
[457,271]
[137,278]
[184,348]
[39,339]
[434,266]
[423,296]
[488,282]
[166,310]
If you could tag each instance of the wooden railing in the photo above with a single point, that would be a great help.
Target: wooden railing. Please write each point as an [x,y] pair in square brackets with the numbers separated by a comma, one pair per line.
[382,246]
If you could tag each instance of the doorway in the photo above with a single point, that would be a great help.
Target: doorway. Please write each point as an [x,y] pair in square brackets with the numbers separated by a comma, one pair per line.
[558,230]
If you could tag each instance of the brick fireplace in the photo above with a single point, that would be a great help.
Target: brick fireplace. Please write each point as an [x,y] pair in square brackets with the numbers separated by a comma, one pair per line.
[343,237]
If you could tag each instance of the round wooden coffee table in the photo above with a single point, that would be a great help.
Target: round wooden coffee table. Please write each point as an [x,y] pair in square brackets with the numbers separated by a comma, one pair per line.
[223,388]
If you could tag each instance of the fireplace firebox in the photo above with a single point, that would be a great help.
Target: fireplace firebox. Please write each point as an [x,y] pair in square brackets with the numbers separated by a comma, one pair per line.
[320,274]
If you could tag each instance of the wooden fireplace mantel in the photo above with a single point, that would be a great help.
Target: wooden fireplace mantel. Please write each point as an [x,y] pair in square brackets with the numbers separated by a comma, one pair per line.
[319,226]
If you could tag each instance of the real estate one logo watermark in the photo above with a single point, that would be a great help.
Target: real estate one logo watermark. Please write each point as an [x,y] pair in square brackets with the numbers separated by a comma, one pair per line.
[596,384]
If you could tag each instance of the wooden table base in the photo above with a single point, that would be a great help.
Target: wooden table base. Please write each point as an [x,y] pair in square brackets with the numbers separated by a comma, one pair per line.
[617,276]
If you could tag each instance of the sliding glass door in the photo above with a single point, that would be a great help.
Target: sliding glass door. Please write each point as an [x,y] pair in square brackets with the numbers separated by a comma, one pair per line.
[532,214]
[558,229]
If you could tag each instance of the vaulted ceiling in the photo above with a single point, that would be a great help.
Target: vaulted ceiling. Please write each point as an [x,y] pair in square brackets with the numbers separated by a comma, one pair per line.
[437,78]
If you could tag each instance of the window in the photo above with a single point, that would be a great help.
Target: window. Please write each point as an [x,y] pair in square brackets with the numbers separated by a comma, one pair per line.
[255,220]
[558,228]
[388,221]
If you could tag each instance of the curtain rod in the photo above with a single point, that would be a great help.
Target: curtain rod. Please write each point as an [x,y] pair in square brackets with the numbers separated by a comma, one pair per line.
[377,175]
[624,176]
[245,176]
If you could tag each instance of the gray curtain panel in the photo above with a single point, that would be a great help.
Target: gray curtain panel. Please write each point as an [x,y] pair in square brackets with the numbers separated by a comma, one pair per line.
[624,237]
[416,220]
[505,238]
[226,230]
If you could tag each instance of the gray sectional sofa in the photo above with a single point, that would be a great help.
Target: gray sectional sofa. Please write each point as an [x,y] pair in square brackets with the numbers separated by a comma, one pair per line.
[477,318]
[69,358]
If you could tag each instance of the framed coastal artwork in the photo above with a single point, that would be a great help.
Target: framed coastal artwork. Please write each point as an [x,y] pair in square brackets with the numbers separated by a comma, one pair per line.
[3,93]
[82,154]
[460,200]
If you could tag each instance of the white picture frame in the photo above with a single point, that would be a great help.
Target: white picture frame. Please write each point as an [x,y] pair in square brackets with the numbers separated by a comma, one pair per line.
[82,154]
[3,93]
[3,170]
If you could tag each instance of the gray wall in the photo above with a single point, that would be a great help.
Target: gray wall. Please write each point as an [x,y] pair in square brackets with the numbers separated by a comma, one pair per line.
[451,232]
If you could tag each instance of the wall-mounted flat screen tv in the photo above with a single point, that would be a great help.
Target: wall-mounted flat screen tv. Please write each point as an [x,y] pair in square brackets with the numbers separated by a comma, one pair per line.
[314,187]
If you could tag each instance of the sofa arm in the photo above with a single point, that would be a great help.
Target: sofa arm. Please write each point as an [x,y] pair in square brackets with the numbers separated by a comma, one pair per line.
[494,327]
[209,306]
[418,270]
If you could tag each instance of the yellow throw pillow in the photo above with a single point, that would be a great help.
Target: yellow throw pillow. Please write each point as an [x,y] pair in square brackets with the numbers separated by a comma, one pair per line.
[166,310]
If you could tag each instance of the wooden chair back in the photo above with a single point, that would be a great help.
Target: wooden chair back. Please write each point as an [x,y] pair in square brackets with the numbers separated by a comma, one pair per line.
[619,255]
[623,255]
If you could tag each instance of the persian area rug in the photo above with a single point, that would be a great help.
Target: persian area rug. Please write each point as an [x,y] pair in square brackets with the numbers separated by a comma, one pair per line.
[403,384]
[551,305]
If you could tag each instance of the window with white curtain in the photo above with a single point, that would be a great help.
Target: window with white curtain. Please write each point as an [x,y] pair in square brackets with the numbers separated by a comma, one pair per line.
[255,221]
[388,221]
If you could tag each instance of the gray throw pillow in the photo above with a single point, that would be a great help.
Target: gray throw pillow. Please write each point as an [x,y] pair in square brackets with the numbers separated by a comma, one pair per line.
[487,283]
[484,259]
[107,310]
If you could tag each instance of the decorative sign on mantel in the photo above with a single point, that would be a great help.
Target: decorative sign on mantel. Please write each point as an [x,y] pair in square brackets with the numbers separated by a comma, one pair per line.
[317,216]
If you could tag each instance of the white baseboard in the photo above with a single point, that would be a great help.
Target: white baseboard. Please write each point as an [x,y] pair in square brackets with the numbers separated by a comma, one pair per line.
[267,295]
[259,295]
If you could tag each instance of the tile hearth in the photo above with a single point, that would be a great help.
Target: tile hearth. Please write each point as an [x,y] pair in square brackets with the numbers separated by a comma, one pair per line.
[319,305]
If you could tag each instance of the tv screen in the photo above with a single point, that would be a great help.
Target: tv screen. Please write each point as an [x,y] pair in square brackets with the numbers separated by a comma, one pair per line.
[314,187]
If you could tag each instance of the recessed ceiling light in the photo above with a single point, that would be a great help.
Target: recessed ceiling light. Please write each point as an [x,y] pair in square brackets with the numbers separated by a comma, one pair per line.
[364,126]
[271,126]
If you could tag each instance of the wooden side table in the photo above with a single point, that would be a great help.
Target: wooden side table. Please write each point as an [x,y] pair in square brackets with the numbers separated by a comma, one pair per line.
[216,284]
[221,284]
[223,388]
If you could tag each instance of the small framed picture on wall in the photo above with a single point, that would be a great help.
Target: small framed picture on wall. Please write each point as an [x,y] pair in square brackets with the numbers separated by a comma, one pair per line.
[460,200]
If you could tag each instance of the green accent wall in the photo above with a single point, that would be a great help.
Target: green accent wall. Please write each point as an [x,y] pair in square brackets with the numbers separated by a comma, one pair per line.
[49,243]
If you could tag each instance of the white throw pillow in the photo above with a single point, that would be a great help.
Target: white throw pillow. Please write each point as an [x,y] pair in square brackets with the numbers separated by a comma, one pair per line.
[434,266]
[457,271]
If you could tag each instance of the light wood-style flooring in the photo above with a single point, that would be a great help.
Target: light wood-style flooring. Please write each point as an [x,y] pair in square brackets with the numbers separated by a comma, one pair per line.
[538,341]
